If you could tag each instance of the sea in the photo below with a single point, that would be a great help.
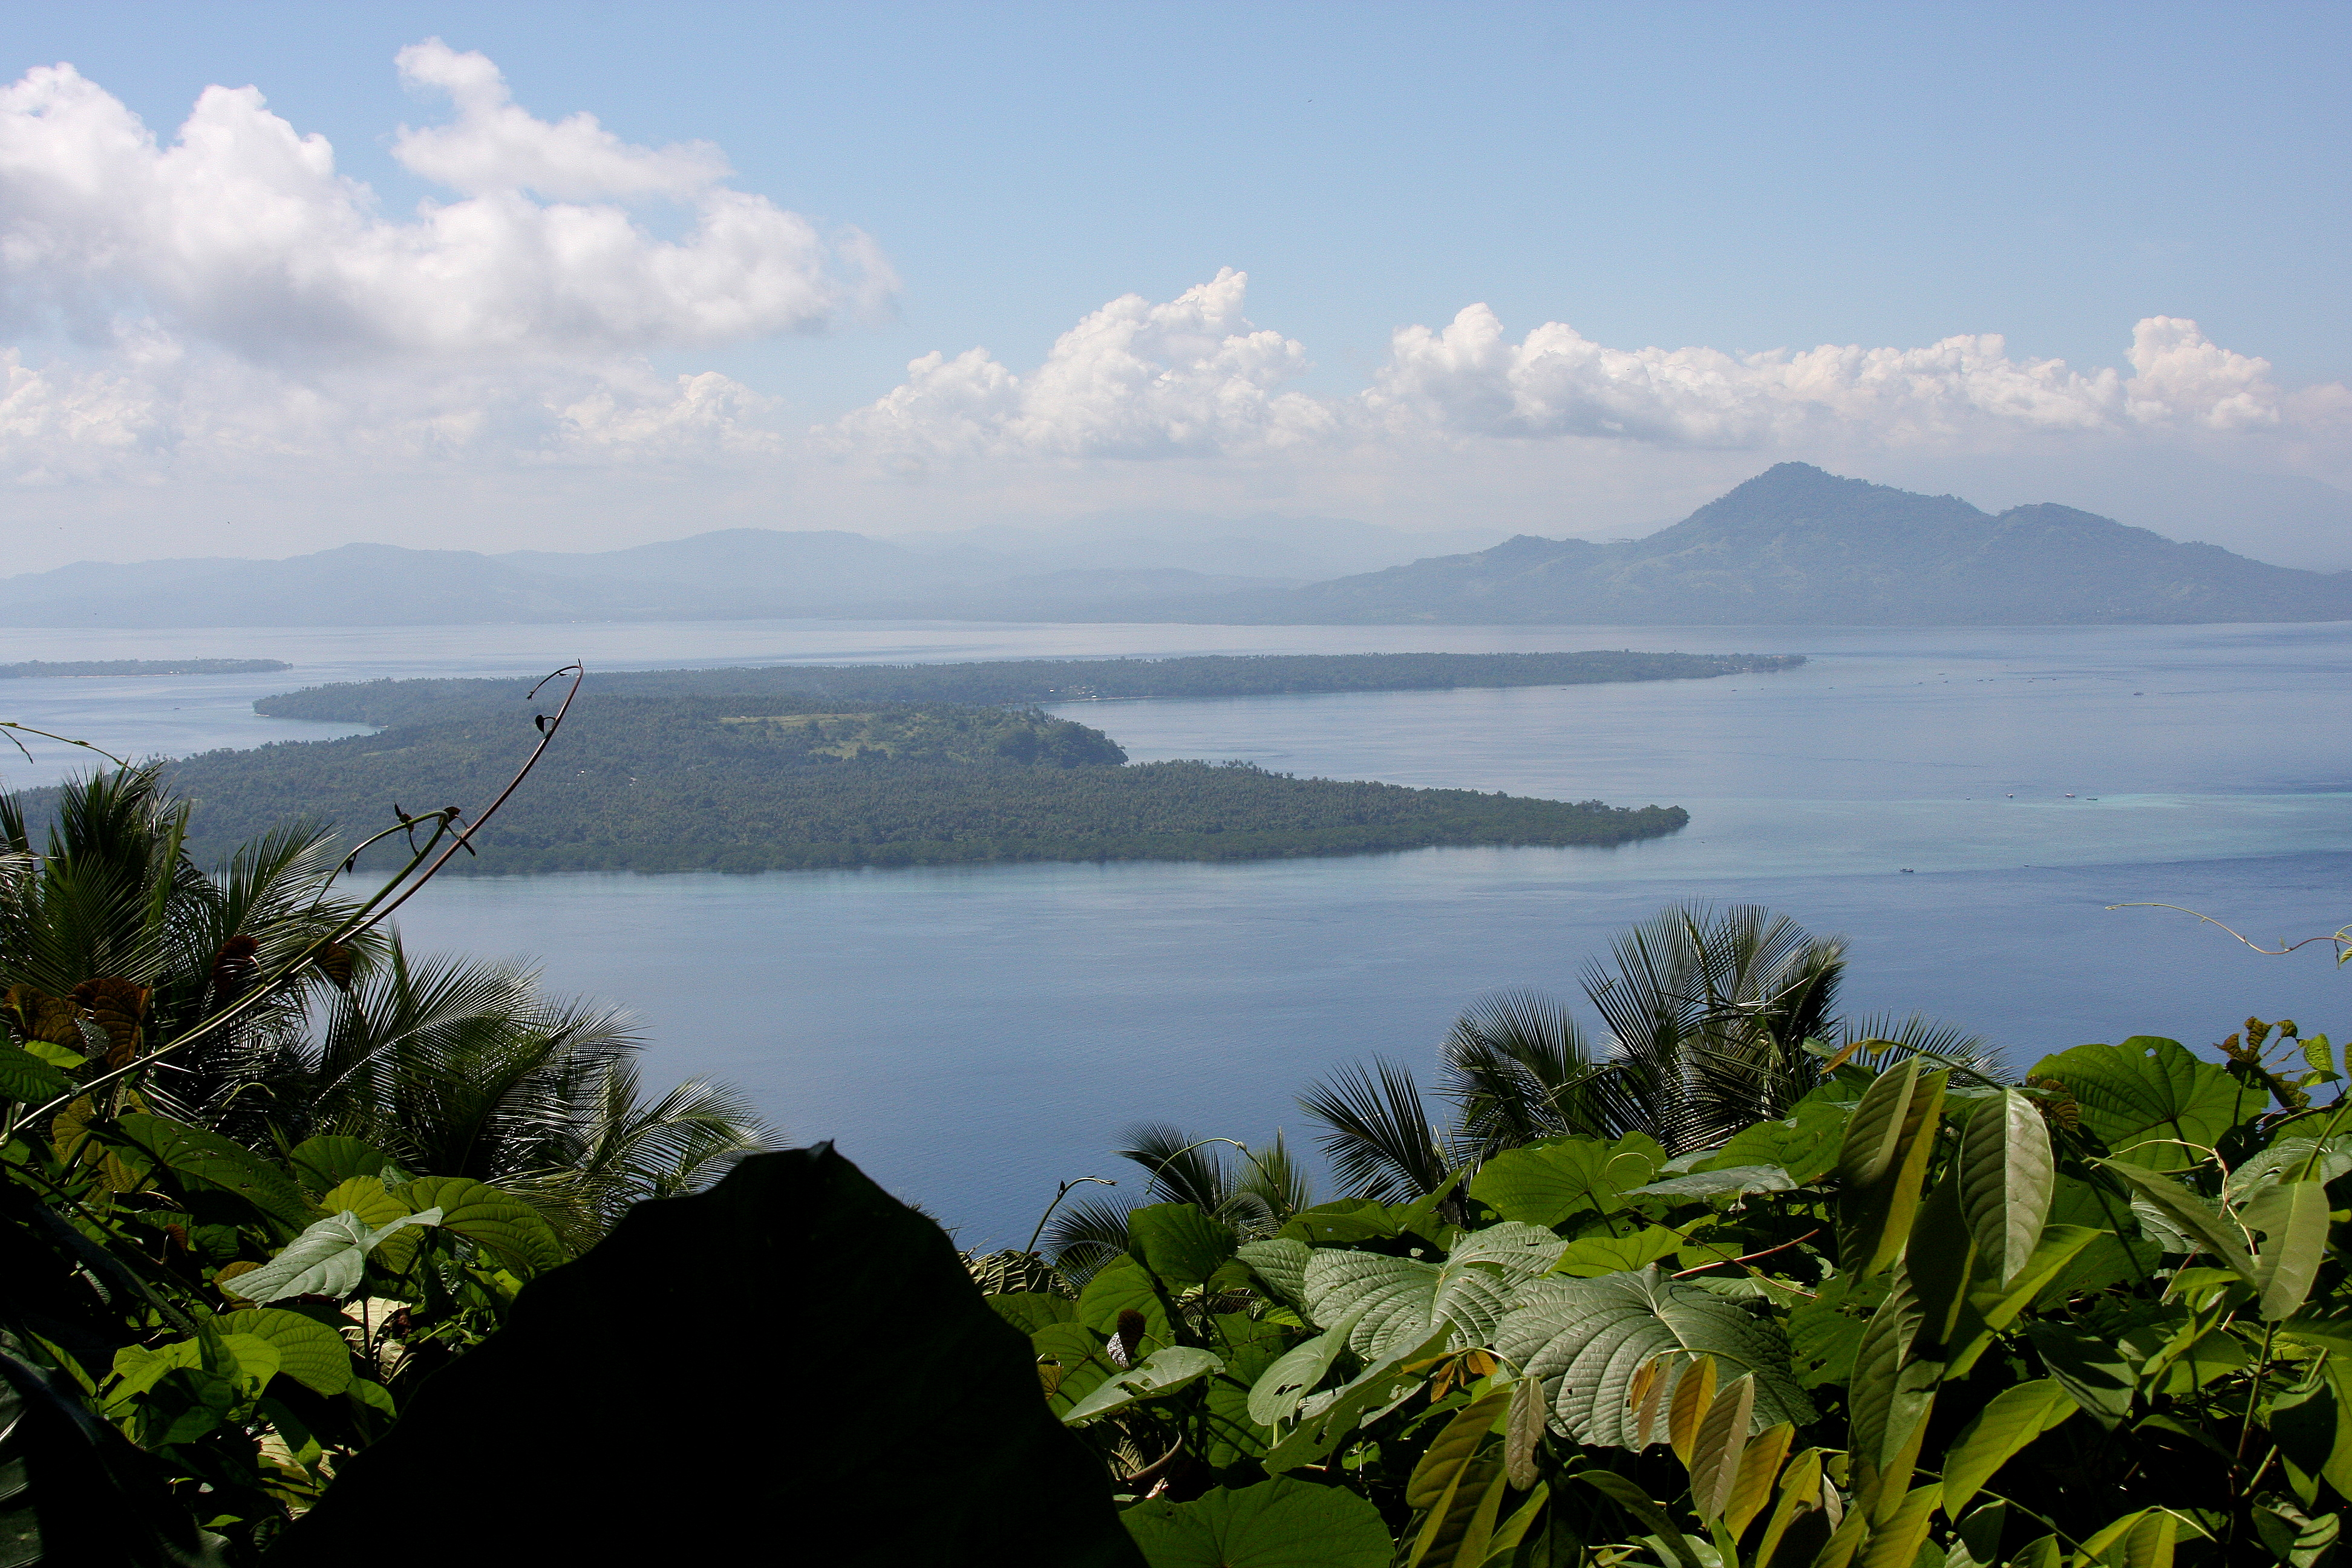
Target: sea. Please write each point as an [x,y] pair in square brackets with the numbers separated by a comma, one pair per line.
[1966,806]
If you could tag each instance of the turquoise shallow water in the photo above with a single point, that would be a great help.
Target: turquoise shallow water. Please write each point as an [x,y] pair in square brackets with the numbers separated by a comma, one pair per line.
[971,1034]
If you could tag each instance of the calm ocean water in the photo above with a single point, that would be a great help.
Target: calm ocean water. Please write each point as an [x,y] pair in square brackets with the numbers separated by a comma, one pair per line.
[1962,803]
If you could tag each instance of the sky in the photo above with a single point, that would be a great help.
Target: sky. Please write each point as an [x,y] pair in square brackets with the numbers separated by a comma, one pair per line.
[277,278]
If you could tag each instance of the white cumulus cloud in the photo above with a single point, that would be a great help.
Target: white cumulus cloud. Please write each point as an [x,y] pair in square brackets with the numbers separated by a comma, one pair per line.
[228,295]
[1469,378]
[241,233]
[1190,378]
[496,146]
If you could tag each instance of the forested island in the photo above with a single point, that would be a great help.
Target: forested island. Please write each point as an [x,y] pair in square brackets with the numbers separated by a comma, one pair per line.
[88,667]
[1038,680]
[749,783]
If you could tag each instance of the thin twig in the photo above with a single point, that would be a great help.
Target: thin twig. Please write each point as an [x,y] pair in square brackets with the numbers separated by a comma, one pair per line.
[367,916]
[1031,1249]
[2342,939]
[1724,1262]
[69,739]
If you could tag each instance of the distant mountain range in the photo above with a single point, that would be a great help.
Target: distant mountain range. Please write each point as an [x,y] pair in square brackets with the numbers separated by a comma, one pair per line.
[1793,546]
[1796,546]
[1131,566]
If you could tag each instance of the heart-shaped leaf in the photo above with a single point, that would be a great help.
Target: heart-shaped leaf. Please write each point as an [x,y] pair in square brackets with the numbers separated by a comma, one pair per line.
[1587,1337]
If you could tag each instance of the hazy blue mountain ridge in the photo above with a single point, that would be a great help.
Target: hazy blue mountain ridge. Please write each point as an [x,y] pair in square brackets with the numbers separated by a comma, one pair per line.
[727,574]
[1792,546]
[1799,546]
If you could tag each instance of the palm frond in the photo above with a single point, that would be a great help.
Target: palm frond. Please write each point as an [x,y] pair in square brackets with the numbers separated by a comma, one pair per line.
[1917,1033]
[1517,1068]
[1084,1235]
[1380,1143]
[1184,1169]
[1274,1177]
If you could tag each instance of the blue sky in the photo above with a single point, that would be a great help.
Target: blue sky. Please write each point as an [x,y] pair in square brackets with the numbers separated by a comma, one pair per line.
[1738,178]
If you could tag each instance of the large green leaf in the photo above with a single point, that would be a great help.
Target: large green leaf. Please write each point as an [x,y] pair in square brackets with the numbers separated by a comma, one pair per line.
[2289,1160]
[2091,1370]
[1280,1524]
[1072,1361]
[1326,1419]
[1891,1393]
[1178,1242]
[2006,1177]
[327,1259]
[1587,1337]
[2014,1418]
[327,1161]
[1544,1184]
[1344,1221]
[1805,1144]
[1275,1394]
[1452,1450]
[365,1196]
[1250,1347]
[309,1351]
[1030,1311]
[1281,1262]
[1396,1301]
[1882,1164]
[2147,1097]
[508,1228]
[26,1077]
[2194,1216]
[1165,1371]
[816,1340]
[1590,1257]
[1123,1285]
[209,1160]
[2293,1218]
[1722,1182]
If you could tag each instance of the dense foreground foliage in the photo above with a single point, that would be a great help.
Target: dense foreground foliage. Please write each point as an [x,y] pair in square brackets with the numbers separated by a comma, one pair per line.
[2102,1316]
[317,1251]
[261,1172]
[385,702]
[750,783]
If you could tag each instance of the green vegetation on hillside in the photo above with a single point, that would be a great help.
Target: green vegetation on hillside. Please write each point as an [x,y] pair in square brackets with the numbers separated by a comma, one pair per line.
[748,784]
[384,702]
[96,667]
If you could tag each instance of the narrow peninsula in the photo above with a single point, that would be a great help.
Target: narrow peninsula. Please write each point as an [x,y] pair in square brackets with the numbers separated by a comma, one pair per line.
[750,782]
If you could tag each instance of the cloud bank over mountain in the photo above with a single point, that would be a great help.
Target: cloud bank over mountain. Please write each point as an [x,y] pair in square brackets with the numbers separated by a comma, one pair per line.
[1194,377]
[223,319]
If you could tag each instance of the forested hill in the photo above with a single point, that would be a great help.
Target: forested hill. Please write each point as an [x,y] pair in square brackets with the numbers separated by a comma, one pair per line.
[1799,546]
[388,702]
[747,784]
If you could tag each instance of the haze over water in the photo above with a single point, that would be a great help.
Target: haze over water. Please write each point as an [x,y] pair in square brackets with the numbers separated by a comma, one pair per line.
[971,1034]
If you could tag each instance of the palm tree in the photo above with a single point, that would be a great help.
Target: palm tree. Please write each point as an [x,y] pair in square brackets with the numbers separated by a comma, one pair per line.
[1708,1017]
[1708,1012]
[1253,1191]
[1517,1068]
[113,943]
